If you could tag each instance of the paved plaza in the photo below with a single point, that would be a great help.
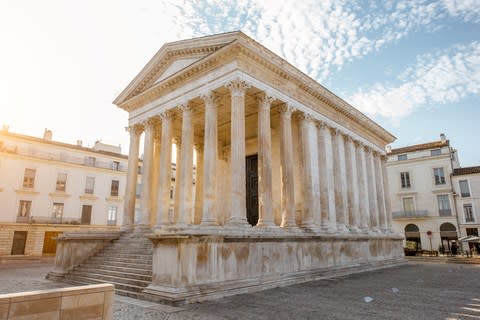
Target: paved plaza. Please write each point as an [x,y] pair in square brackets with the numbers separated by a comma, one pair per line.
[413,291]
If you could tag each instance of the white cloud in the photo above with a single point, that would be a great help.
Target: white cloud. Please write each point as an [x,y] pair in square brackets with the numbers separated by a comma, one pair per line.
[317,36]
[435,79]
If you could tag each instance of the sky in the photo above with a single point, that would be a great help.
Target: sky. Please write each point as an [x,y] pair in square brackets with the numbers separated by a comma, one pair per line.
[411,66]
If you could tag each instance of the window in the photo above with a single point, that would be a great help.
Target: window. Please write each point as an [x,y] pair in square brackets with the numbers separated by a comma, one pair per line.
[114,188]
[112,215]
[408,205]
[89,185]
[444,205]
[90,161]
[116,165]
[405,179]
[57,210]
[61,182]
[86,214]
[439,176]
[401,157]
[29,178]
[436,152]
[472,231]
[24,208]
[468,212]
[464,189]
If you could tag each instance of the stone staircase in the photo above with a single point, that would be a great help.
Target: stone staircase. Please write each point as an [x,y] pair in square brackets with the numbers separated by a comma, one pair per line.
[126,263]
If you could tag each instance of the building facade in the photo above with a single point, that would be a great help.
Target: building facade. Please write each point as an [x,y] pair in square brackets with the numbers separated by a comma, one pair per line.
[466,187]
[49,187]
[422,194]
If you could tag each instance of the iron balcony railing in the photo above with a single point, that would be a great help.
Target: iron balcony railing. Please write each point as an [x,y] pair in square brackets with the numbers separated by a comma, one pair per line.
[410,214]
[48,220]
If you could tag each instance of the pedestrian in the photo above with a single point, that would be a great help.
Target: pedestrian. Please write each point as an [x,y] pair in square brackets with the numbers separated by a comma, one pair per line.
[454,249]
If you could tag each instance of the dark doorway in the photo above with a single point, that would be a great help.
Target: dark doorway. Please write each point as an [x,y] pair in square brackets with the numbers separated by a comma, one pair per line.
[50,242]
[86,214]
[19,240]
[251,167]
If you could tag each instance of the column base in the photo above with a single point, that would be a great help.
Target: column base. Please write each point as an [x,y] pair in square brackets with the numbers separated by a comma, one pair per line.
[126,228]
[265,224]
[209,223]
[289,224]
[342,228]
[355,229]
[237,222]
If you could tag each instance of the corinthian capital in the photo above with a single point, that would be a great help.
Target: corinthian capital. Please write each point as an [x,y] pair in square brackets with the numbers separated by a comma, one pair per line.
[265,101]
[210,99]
[237,87]
[286,110]
[167,115]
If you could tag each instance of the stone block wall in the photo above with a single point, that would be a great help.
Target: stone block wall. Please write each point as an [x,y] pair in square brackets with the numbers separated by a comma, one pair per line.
[84,302]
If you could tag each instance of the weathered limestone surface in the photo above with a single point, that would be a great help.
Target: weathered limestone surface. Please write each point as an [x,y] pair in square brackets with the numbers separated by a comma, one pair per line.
[195,267]
[83,302]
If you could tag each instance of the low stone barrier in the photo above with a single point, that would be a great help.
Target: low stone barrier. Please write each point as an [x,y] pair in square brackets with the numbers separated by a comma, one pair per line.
[74,248]
[83,302]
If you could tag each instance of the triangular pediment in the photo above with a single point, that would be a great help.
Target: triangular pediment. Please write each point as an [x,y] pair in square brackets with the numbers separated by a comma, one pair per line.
[171,59]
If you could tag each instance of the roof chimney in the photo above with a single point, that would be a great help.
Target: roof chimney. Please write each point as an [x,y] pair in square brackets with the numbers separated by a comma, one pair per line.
[443,137]
[47,135]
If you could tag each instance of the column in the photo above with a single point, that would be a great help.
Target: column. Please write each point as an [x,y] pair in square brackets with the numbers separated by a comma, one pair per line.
[386,194]
[363,187]
[265,203]
[156,172]
[131,186]
[176,185]
[311,175]
[210,158]
[353,190]
[197,217]
[238,211]
[327,193]
[382,212]
[286,162]
[165,170]
[185,205]
[372,190]
[341,196]
[147,173]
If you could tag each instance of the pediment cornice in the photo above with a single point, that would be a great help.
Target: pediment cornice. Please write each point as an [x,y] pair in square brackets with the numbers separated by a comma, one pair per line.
[242,48]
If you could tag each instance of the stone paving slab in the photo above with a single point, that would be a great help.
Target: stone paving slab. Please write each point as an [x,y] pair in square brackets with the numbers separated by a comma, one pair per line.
[414,291]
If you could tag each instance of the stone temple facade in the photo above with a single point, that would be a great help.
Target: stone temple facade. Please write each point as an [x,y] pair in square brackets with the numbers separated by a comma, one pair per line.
[290,181]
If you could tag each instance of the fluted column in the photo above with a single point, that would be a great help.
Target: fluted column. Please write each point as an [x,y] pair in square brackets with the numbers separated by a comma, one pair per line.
[327,193]
[210,155]
[286,162]
[311,175]
[185,205]
[238,214]
[341,196]
[382,218]
[132,173]
[198,184]
[353,190]
[165,170]
[176,185]
[147,173]
[372,191]
[265,204]
[363,187]
[386,193]
[156,168]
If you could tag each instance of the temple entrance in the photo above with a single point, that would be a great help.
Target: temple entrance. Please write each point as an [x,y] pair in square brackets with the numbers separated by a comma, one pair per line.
[251,168]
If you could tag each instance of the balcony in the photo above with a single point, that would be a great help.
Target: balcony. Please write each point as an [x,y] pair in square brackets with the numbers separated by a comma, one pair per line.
[410,214]
[48,220]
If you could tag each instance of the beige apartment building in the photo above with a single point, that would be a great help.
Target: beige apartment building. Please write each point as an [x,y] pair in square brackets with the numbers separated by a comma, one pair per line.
[49,187]
[422,194]
[466,186]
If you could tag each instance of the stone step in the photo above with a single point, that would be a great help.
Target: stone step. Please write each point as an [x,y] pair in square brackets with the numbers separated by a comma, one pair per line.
[146,270]
[116,273]
[72,278]
[147,260]
[126,255]
[112,279]
[124,249]
[145,266]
